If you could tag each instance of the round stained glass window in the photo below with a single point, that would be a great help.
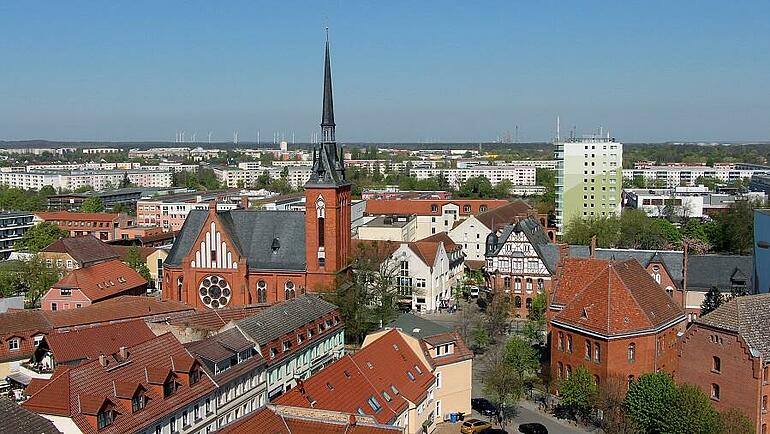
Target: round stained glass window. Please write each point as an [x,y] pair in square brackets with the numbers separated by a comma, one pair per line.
[214,292]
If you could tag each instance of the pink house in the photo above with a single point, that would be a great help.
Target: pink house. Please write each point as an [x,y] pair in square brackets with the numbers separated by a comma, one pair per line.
[94,283]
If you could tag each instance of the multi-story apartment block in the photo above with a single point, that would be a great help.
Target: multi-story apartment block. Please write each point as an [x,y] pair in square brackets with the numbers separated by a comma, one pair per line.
[159,152]
[725,353]
[297,176]
[170,211]
[297,338]
[12,227]
[539,164]
[97,179]
[588,178]
[517,175]
[103,225]
[676,175]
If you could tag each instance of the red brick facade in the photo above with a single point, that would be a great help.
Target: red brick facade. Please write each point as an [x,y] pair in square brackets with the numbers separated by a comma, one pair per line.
[326,209]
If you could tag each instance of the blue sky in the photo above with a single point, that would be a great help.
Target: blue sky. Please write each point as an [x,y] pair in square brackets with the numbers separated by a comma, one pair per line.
[403,70]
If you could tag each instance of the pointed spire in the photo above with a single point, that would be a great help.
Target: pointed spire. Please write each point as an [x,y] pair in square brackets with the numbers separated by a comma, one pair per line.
[327,119]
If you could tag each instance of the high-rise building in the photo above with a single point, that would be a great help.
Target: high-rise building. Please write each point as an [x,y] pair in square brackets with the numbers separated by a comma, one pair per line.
[588,178]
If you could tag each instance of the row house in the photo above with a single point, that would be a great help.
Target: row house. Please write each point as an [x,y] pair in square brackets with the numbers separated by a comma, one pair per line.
[726,354]
[385,379]
[295,420]
[104,226]
[613,318]
[297,338]
[515,265]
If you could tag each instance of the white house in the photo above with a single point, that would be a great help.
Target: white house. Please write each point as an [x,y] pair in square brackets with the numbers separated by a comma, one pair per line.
[472,232]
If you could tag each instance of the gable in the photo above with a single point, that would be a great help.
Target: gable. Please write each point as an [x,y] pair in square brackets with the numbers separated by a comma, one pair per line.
[213,249]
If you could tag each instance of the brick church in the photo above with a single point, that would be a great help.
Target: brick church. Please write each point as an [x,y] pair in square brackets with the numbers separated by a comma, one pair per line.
[229,258]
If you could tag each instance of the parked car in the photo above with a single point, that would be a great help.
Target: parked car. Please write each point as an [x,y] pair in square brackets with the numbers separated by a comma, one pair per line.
[474,291]
[533,428]
[483,406]
[473,426]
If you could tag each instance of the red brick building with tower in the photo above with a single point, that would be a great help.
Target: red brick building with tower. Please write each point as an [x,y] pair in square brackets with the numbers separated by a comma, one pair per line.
[613,318]
[243,256]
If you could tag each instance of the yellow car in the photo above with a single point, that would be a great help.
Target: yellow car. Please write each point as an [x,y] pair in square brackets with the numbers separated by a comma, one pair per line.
[472,426]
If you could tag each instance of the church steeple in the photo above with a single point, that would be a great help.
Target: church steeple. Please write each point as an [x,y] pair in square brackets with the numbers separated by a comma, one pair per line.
[328,167]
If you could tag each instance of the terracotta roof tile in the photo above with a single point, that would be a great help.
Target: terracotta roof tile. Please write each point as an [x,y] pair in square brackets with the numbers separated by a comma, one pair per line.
[443,237]
[102,280]
[87,216]
[424,206]
[281,420]
[461,351]
[214,319]
[426,251]
[507,214]
[115,309]
[89,343]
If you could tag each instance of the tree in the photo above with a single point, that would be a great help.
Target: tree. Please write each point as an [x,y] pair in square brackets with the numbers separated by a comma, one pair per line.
[579,392]
[611,394]
[521,358]
[125,182]
[500,382]
[476,187]
[712,300]
[30,277]
[92,204]
[733,421]
[134,260]
[39,237]
[535,325]
[647,402]
[496,318]
[691,411]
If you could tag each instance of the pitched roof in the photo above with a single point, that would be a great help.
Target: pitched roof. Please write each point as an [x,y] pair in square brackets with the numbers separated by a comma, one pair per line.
[84,249]
[706,271]
[19,420]
[534,233]
[102,280]
[619,298]
[86,386]
[424,206]
[115,309]
[281,318]
[214,319]
[292,420]
[89,343]
[66,215]
[416,326]
[18,321]
[380,369]
[253,232]
[747,316]
[461,351]
[226,346]
[506,214]
[443,237]
[427,251]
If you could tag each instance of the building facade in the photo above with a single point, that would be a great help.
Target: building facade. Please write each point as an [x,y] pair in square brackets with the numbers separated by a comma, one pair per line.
[102,225]
[13,225]
[588,178]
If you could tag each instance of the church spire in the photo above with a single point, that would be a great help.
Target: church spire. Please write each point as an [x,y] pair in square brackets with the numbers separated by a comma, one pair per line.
[327,118]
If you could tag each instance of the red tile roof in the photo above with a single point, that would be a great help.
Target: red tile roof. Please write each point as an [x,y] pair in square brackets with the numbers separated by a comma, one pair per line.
[214,319]
[620,298]
[102,280]
[461,351]
[443,237]
[348,383]
[572,276]
[81,388]
[84,249]
[280,420]
[424,206]
[89,343]
[426,251]
[507,214]
[115,309]
[66,215]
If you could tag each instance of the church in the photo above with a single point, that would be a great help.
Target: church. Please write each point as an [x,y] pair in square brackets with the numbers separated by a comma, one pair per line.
[243,256]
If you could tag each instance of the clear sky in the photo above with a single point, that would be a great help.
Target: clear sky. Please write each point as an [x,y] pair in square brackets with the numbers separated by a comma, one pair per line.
[403,70]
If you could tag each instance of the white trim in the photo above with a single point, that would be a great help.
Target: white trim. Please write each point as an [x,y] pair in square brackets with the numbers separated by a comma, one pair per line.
[625,335]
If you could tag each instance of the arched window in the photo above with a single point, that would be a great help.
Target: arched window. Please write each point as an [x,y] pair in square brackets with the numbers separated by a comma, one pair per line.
[517,283]
[540,284]
[560,370]
[656,273]
[466,208]
[529,284]
[517,301]
[631,352]
[715,391]
[529,303]
[561,341]
[261,291]
[569,343]
[434,208]
[179,285]
[670,291]
[288,289]
[482,208]
[320,208]
[506,282]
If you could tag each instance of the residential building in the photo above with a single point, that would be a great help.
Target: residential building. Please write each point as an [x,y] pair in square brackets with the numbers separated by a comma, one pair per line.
[19,420]
[70,253]
[427,271]
[297,420]
[675,175]
[472,232]
[385,379]
[13,225]
[155,386]
[121,196]
[97,179]
[665,202]
[94,283]
[393,192]
[516,175]
[588,178]
[612,318]
[103,225]
[168,152]
[450,360]
[514,265]
[232,177]
[401,228]
[726,353]
[760,183]
[297,338]
[432,215]
[170,211]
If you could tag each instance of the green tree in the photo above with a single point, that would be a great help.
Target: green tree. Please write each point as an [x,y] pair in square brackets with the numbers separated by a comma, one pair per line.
[92,204]
[691,411]
[477,187]
[83,189]
[712,300]
[135,261]
[647,402]
[497,316]
[535,325]
[579,392]
[501,383]
[39,237]
[30,277]
[546,203]
[733,421]
[521,358]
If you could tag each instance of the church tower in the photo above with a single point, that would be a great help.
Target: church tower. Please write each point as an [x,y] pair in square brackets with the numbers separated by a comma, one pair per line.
[327,200]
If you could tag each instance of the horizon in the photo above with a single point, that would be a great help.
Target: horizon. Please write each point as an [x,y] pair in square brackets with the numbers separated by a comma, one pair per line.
[652,72]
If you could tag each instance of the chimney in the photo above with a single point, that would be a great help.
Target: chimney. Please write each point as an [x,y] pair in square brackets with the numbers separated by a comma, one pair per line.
[103,360]
[123,353]
[352,420]
[593,246]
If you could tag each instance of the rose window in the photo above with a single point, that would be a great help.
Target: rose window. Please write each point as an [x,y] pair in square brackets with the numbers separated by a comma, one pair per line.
[214,292]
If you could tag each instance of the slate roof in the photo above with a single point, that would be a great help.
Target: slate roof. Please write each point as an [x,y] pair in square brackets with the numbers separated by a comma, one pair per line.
[620,298]
[253,232]
[276,420]
[706,271]
[747,316]
[416,326]
[535,235]
[85,249]
[102,280]
[224,346]
[17,420]
[279,319]
[89,343]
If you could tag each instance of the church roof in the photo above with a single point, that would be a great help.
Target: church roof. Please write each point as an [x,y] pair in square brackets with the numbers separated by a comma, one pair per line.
[253,233]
